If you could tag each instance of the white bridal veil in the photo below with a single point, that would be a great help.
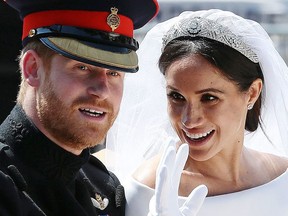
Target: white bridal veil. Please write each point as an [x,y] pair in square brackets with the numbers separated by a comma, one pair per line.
[142,127]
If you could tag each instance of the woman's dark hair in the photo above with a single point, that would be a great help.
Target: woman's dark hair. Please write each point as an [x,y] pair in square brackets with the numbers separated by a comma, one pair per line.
[234,65]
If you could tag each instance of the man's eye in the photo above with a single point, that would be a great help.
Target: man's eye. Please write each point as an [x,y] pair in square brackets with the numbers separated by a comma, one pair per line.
[83,67]
[113,73]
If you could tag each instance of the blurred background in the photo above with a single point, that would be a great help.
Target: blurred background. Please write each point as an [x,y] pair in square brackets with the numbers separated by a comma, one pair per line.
[271,14]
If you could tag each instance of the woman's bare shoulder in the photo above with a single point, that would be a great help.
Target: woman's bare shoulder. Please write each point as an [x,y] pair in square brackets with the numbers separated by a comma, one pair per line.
[275,164]
[281,161]
[146,172]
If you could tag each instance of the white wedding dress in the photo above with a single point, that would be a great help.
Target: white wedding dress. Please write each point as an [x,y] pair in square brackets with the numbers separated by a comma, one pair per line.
[269,199]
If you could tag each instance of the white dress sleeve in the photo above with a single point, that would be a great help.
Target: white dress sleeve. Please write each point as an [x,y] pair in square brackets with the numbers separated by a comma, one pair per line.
[138,196]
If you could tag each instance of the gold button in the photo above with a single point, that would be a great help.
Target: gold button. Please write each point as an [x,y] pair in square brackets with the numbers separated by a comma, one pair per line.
[32,33]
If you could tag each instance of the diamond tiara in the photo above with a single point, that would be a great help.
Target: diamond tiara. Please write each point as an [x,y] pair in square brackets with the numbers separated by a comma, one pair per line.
[201,27]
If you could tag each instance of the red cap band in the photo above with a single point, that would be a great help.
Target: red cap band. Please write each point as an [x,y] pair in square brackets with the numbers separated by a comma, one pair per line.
[84,19]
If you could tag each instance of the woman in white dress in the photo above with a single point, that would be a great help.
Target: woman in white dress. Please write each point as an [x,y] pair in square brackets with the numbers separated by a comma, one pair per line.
[225,85]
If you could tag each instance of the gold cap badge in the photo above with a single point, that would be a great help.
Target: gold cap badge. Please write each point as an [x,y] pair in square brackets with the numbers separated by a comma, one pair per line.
[113,20]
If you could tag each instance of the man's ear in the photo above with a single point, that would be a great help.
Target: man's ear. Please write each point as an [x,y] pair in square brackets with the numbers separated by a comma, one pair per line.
[30,68]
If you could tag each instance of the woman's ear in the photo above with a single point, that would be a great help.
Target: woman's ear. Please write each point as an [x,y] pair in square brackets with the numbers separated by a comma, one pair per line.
[255,90]
[30,68]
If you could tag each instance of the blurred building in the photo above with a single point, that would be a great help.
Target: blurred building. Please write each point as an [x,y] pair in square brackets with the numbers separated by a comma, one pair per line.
[272,15]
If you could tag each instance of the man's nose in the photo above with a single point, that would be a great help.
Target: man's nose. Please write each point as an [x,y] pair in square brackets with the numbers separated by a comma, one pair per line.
[99,86]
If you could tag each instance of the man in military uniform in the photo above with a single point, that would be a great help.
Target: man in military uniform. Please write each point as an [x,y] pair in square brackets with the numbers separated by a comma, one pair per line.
[72,66]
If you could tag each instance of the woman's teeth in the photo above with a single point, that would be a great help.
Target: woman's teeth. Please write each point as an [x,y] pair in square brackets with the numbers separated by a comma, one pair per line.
[199,135]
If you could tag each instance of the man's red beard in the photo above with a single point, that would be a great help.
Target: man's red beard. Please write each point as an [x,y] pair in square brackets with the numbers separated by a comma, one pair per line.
[61,122]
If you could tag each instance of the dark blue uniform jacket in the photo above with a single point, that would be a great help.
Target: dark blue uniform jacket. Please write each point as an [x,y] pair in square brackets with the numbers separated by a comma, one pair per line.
[37,177]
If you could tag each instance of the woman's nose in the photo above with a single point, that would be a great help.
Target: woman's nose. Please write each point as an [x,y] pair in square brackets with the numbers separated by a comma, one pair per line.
[192,116]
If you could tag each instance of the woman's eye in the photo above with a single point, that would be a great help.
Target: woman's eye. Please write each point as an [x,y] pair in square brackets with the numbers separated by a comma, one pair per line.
[175,96]
[208,98]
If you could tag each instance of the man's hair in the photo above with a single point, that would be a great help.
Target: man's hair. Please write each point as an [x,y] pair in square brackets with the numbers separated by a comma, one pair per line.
[45,54]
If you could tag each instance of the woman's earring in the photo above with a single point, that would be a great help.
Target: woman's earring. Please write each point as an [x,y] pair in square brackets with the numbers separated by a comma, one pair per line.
[250,106]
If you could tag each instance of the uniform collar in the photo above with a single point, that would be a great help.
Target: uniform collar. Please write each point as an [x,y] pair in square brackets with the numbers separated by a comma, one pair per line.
[35,150]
